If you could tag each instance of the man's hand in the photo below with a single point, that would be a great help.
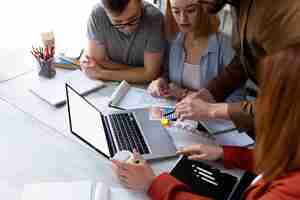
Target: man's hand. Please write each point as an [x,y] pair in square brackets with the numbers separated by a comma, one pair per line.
[204,94]
[91,68]
[193,108]
[202,152]
[196,106]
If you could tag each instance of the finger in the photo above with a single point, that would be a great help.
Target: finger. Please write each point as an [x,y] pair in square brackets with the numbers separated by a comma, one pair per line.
[186,116]
[138,158]
[194,149]
[198,157]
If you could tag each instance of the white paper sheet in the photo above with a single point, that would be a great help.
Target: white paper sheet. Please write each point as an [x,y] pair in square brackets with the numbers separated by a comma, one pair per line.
[78,190]
[128,97]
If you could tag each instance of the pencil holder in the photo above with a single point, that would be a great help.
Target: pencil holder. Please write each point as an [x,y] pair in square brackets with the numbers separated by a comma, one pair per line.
[46,68]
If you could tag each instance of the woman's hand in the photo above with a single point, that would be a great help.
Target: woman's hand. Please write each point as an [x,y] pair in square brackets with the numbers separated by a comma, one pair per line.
[134,176]
[202,152]
[159,88]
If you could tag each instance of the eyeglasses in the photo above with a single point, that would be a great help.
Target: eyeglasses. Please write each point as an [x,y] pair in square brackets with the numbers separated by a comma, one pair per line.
[133,22]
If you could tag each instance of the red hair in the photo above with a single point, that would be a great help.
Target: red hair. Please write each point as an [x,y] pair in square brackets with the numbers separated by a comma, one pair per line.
[278,114]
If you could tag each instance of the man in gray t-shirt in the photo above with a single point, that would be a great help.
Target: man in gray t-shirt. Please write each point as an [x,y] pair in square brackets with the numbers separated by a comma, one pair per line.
[125,41]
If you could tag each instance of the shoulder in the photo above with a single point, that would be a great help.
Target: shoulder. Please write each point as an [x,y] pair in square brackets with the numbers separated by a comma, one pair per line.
[287,187]
[152,15]
[98,10]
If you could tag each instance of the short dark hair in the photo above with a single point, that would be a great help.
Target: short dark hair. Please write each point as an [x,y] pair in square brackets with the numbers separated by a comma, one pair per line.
[116,6]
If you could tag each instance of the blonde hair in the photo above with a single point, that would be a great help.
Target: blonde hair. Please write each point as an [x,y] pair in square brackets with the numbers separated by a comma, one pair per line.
[205,24]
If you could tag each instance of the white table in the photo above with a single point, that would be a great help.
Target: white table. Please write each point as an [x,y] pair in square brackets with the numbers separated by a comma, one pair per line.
[36,145]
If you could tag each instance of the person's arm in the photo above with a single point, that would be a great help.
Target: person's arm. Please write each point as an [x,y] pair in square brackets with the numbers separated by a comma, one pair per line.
[238,157]
[166,187]
[230,78]
[115,71]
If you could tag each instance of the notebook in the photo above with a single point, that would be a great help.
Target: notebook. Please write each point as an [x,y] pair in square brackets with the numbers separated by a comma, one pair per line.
[210,181]
[127,97]
[53,90]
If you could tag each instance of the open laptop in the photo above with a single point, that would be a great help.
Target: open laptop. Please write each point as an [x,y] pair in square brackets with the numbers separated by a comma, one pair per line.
[124,130]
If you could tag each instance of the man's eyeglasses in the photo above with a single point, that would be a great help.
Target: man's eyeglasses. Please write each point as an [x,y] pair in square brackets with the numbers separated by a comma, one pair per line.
[133,22]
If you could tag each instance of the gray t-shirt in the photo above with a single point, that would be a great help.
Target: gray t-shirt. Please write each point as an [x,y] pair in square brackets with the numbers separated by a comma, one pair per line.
[128,49]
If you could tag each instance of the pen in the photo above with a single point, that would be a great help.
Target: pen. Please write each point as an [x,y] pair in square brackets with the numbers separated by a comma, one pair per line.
[224,131]
[169,113]
[116,107]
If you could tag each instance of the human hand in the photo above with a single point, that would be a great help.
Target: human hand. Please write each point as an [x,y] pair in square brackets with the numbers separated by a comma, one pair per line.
[159,88]
[177,91]
[134,176]
[205,95]
[91,68]
[202,152]
[194,108]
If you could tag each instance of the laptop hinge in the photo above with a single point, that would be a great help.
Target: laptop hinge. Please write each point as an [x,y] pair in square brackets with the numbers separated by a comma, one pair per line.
[111,145]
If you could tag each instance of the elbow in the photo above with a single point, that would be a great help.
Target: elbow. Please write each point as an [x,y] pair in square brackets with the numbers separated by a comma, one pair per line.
[150,76]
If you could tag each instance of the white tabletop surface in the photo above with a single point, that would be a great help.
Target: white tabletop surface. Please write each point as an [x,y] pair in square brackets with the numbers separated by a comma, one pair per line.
[36,145]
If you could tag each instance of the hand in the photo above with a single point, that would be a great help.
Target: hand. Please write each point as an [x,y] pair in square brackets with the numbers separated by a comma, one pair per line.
[194,108]
[159,88]
[205,95]
[176,91]
[134,176]
[91,68]
[202,152]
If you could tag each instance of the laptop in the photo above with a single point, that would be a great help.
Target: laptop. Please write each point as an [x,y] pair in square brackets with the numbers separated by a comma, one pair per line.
[123,130]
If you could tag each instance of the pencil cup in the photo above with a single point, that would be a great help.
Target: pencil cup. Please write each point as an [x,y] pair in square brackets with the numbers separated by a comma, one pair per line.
[46,68]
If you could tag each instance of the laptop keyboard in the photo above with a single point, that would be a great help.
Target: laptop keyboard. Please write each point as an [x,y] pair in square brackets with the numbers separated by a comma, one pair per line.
[127,133]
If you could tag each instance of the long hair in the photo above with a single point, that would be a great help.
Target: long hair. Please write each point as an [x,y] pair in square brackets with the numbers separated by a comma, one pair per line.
[205,24]
[278,114]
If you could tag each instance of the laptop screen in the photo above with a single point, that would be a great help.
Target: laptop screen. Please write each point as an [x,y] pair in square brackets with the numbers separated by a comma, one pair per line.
[85,121]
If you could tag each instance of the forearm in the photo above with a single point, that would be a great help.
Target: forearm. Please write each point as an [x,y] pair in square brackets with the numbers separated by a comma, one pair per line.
[218,111]
[238,157]
[241,113]
[109,65]
[232,77]
[132,75]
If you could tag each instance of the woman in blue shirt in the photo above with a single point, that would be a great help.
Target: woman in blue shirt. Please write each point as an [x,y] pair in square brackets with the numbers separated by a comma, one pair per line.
[197,52]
